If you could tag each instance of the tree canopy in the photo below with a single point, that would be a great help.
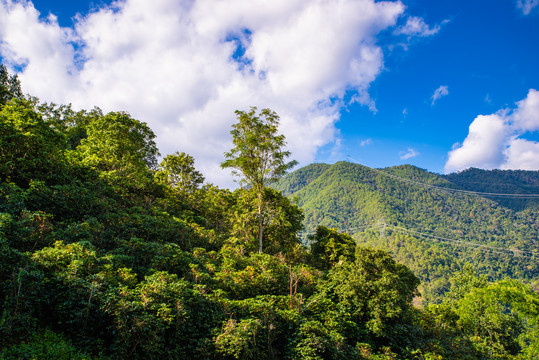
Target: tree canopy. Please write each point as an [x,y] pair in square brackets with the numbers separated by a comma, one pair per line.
[178,170]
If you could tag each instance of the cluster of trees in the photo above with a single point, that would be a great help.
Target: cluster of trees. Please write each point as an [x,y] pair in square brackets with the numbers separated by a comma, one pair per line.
[108,253]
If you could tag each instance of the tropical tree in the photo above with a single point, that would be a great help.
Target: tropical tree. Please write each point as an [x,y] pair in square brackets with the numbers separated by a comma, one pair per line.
[500,319]
[10,86]
[283,220]
[328,247]
[373,290]
[29,147]
[178,170]
[258,157]
[121,148]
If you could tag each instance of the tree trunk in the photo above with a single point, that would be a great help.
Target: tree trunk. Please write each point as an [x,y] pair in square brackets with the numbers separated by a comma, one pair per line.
[260,222]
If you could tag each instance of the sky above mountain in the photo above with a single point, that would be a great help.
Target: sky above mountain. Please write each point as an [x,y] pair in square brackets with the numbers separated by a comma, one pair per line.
[443,85]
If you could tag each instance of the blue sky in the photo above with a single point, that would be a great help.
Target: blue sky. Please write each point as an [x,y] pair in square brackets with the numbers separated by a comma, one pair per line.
[488,57]
[443,85]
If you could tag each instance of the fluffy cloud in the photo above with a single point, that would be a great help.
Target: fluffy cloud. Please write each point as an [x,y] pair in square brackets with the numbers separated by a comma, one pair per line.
[484,145]
[521,154]
[410,153]
[526,116]
[185,66]
[438,93]
[526,6]
[494,141]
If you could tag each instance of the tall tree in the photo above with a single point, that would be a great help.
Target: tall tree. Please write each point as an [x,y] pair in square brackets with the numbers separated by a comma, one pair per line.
[283,220]
[257,157]
[10,86]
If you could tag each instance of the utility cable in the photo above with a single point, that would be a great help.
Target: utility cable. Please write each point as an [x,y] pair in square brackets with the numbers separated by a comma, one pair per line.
[504,251]
[520,196]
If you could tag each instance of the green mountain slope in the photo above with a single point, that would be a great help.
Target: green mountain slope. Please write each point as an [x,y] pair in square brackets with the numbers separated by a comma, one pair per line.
[430,229]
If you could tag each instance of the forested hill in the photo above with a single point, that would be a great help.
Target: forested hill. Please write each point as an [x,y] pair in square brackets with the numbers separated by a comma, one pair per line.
[428,225]
[347,195]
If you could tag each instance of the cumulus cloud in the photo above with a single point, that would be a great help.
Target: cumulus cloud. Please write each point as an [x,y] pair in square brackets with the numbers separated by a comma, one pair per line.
[495,141]
[521,154]
[483,147]
[438,93]
[526,6]
[184,66]
[410,153]
[526,116]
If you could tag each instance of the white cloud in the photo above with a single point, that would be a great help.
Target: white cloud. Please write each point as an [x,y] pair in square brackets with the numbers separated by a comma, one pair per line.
[526,115]
[521,154]
[483,147]
[365,142]
[527,5]
[416,26]
[438,93]
[175,64]
[494,141]
[410,153]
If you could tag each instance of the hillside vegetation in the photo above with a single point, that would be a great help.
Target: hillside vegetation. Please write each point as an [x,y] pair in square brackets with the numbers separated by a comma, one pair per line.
[432,230]
[108,253]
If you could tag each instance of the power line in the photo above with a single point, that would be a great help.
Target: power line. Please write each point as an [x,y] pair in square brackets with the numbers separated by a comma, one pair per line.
[364,226]
[504,251]
[382,225]
[520,196]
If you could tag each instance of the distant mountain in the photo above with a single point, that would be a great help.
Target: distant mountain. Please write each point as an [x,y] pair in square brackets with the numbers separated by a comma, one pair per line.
[500,181]
[431,220]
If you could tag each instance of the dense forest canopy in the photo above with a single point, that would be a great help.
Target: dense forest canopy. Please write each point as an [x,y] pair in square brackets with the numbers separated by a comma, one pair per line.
[108,253]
